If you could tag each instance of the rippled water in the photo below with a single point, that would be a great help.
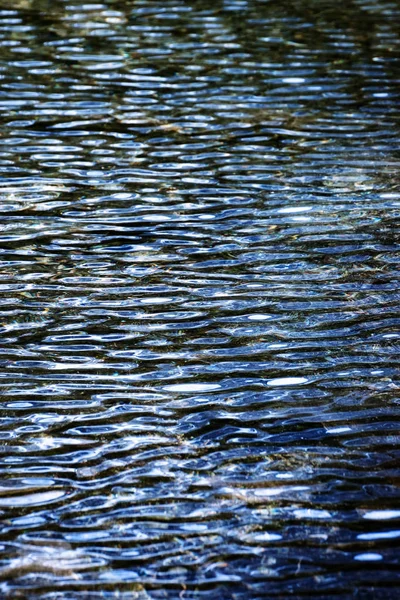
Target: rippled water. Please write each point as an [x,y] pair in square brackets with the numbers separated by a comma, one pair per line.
[199,299]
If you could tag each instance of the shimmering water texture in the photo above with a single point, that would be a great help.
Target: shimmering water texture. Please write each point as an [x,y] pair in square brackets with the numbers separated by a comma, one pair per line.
[199,299]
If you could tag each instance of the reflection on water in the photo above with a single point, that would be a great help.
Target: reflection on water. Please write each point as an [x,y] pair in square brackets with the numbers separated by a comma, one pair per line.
[199,299]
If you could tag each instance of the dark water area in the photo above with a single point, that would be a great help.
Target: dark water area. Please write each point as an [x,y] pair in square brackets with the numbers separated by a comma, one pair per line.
[199,247]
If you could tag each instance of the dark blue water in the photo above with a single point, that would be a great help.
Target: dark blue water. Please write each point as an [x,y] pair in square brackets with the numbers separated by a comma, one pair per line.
[200,312]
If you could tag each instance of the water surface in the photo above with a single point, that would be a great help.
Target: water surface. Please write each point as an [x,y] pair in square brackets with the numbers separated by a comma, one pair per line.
[199,299]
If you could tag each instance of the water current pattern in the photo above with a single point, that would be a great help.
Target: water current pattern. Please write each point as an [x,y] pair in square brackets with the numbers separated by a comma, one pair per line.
[199,381]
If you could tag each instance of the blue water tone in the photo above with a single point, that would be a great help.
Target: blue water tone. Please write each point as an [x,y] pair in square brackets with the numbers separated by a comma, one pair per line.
[199,245]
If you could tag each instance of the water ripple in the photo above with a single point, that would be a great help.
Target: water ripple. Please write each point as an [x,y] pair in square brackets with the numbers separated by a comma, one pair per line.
[199,299]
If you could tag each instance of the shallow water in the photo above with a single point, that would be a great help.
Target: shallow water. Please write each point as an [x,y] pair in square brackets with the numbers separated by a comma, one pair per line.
[199,299]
